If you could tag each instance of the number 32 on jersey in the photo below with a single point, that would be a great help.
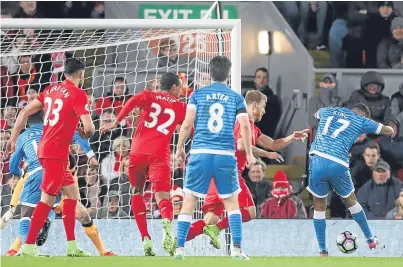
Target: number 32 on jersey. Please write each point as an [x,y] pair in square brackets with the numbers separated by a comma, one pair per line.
[154,118]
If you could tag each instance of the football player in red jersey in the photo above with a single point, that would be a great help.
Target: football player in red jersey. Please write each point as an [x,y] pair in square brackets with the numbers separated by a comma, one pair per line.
[149,156]
[213,206]
[64,104]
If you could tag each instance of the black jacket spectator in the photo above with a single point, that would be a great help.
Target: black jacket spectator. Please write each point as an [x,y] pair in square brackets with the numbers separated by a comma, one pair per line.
[362,170]
[397,107]
[390,49]
[378,196]
[270,119]
[392,147]
[357,149]
[377,27]
[370,94]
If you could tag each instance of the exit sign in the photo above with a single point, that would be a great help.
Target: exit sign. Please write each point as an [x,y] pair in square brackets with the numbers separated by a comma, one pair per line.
[156,11]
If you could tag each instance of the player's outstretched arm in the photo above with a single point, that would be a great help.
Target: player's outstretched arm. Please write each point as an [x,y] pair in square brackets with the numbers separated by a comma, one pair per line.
[246,134]
[278,144]
[32,108]
[184,133]
[257,152]
[89,128]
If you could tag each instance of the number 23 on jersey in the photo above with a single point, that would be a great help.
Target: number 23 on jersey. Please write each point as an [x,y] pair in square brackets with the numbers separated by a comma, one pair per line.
[52,108]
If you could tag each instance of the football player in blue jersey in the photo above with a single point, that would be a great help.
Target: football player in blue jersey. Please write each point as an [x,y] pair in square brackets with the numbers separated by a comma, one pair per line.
[26,150]
[329,164]
[213,111]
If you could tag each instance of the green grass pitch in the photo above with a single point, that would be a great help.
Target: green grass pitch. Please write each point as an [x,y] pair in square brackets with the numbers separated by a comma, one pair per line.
[199,261]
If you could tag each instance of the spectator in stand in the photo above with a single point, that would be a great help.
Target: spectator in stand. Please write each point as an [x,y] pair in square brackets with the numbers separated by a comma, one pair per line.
[115,100]
[358,12]
[101,143]
[270,119]
[94,192]
[290,11]
[397,212]
[28,10]
[168,53]
[397,107]
[378,196]
[312,11]
[6,193]
[282,204]
[357,149]
[327,98]
[10,116]
[154,85]
[27,78]
[151,204]
[392,147]
[362,170]
[258,186]
[390,49]
[113,210]
[377,27]
[92,104]
[122,185]
[111,165]
[370,94]
[7,89]
[338,31]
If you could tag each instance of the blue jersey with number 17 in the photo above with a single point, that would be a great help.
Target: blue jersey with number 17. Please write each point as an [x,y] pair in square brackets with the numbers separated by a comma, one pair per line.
[217,107]
[337,131]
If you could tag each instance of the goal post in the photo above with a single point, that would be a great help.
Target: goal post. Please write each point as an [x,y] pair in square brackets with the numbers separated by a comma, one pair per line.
[113,49]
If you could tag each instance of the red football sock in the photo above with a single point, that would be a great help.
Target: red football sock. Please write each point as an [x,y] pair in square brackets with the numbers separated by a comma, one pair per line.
[195,229]
[224,224]
[69,218]
[166,209]
[140,215]
[38,220]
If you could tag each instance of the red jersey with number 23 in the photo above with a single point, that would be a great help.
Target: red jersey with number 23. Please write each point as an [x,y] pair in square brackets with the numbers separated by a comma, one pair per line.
[63,104]
[160,113]
[241,156]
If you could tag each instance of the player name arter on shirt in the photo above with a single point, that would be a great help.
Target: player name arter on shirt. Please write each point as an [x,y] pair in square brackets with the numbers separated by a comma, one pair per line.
[59,88]
[166,98]
[217,96]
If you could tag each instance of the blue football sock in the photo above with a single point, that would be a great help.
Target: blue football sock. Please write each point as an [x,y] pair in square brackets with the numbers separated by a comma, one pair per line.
[184,221]
[319,223]
[25,222]
[359,216]
[235,225]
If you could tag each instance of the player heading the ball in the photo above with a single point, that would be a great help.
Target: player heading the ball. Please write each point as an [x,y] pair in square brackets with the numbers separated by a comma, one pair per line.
[161,112]
[64,104]
[329,164]
[213,111]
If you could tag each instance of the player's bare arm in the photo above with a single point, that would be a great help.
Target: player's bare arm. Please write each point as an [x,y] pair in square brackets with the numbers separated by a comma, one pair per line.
[184,134]
[257,152]
[89,128]
[247,138]
[278,144]
[386,130]
[32,108]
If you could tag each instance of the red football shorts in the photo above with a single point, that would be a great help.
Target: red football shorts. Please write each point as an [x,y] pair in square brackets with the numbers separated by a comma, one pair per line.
[56,174]
[157,168]
[213,203]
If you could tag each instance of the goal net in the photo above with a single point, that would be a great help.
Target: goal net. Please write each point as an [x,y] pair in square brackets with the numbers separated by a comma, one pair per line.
[123,57]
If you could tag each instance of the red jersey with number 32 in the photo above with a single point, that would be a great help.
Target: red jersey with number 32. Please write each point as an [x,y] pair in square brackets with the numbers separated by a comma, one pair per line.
[63,104]
[241,156]
[160,113]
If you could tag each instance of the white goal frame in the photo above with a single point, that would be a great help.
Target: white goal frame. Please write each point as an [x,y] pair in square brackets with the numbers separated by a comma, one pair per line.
[229,24]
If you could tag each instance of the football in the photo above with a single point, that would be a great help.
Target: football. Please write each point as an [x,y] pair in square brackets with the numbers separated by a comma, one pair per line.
[347,242]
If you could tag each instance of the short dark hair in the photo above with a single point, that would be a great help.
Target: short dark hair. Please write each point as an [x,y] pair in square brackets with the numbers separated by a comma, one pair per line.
[119,79]
[73,65]
[220,67]
[263,69]
[168,80]
[373,145]
[362,109]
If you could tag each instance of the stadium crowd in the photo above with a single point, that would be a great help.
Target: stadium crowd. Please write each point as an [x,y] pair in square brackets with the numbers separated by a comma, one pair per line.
[376,162]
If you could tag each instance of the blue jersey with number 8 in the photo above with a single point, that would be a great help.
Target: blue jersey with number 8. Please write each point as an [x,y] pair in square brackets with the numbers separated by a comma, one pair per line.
[337,131]
[217,107]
